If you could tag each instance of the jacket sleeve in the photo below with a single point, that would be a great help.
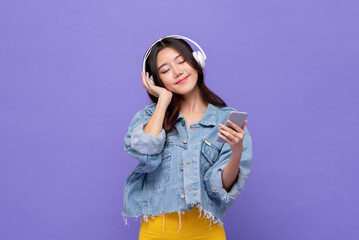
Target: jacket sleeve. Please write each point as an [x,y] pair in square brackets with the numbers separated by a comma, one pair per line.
[147,149]
[213,176]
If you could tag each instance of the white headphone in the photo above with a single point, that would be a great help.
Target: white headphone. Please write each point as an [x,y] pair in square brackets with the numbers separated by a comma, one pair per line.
[200,56]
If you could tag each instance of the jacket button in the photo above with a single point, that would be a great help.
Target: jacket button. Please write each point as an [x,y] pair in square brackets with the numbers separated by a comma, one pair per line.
[181,167]
[182,195]
[184,141]
[182,122]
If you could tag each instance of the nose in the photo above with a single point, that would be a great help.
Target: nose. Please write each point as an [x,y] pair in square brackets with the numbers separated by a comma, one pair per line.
[177,71]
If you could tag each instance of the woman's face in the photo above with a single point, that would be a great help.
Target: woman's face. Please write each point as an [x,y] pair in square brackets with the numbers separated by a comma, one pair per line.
[174,71]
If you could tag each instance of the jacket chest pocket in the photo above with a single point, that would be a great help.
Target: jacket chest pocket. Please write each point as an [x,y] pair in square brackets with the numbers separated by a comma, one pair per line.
[161,175]
[210,154]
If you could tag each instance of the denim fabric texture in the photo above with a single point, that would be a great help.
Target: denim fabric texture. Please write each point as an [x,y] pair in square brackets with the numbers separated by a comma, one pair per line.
[179,171]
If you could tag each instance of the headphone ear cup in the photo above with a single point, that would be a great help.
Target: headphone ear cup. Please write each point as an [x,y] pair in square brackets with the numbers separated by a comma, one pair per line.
[151,80]
[199,58]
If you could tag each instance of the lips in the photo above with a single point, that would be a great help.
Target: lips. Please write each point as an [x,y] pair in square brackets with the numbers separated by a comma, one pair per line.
[182,80]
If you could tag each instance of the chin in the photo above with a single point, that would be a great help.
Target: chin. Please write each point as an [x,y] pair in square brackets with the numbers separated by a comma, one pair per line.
[183,90]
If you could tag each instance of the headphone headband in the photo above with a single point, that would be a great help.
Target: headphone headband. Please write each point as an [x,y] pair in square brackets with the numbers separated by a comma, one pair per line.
[174,36]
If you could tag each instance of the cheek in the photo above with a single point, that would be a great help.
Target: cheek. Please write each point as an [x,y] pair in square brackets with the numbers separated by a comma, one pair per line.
[194,72]
[165,82]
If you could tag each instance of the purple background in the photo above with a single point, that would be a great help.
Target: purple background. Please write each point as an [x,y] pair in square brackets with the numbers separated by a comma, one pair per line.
[70,75]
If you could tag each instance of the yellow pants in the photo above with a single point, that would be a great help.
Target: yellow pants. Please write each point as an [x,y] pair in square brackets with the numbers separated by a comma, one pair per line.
[183,226]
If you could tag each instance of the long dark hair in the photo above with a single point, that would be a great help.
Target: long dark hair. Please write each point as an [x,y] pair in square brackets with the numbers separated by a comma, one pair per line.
[185,50]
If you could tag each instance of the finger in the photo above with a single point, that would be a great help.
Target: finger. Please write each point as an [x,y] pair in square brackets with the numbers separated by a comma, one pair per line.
[223,137]
[144,82]
[147,81]
[235,126]
[228,135]
[230,130]
[244,124]
[143,79]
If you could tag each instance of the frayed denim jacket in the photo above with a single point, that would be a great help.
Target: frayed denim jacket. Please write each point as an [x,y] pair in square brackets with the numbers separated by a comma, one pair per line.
[179,171]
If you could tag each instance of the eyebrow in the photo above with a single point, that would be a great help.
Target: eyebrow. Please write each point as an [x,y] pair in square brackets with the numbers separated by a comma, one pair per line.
[165,63]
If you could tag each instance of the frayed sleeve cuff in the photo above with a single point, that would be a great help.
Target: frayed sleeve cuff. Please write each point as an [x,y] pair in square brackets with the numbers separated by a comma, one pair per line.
[216,184]
[145,143]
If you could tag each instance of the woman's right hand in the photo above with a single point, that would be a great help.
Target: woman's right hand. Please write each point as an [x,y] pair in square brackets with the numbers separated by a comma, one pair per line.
[154,90]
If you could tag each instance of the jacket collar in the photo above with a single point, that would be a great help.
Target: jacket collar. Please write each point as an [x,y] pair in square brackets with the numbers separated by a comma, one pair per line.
[209,117]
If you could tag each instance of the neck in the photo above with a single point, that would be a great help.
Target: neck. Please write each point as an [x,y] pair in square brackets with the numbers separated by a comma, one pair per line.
[193,102]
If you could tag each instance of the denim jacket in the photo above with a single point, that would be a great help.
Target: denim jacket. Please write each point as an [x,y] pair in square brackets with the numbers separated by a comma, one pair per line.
[179,171]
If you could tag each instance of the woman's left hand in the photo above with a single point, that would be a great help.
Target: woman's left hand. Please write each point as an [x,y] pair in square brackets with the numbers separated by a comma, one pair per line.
[234,137]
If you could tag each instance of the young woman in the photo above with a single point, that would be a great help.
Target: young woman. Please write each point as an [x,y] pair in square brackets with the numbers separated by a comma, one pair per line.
[184,177]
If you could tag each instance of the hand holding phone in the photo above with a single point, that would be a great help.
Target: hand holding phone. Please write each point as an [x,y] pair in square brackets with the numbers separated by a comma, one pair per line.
[236,117]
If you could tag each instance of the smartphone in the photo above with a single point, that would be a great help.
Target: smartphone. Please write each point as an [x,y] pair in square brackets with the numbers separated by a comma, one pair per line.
[236,117]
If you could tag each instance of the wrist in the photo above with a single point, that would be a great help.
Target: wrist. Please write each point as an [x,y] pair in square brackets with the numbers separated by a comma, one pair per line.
[164,99]
[237,155]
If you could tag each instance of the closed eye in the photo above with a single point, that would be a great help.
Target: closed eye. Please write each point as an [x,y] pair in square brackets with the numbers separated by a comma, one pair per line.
[179,63]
